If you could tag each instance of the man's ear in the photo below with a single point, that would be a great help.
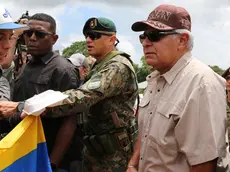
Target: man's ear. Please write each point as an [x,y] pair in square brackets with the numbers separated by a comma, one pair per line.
[113,39]
[183,42]
[55,38]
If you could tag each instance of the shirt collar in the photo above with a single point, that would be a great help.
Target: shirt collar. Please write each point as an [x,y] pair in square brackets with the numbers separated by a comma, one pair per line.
[47,58]
[152,75]
[180,64]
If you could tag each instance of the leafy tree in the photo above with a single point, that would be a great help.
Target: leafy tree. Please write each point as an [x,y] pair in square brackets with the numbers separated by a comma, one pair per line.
[136,67]
[76,47]
[143,71]
[217,69]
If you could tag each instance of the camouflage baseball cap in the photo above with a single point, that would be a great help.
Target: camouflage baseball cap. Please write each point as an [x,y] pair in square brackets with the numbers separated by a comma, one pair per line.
[100,24]
[165,17]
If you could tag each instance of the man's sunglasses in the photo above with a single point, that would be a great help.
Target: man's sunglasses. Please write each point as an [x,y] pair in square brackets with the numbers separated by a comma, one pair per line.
[38,34]
[95,35]
[155,36]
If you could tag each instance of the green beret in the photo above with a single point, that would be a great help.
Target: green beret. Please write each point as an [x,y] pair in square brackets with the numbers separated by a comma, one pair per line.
[100,24]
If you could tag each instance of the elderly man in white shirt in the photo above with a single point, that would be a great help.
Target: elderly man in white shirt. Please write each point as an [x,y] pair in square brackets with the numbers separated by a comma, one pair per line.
[182,116]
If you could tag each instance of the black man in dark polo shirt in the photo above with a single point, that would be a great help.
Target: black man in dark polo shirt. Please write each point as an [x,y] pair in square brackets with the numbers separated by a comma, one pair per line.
[48,70]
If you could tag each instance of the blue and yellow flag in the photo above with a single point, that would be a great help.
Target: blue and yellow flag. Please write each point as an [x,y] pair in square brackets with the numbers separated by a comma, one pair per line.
[24,148]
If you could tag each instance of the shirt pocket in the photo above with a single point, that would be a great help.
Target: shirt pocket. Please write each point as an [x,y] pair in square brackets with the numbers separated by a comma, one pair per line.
[144,102]
[41,80]
[40,84]
[163,125]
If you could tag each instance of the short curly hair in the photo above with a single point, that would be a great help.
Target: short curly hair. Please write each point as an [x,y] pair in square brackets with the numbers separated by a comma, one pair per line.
[46,18]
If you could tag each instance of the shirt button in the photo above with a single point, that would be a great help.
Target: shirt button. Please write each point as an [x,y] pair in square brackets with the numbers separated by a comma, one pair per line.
[151,92]
[145,135]
[151,113]
[141,158]
[158,90]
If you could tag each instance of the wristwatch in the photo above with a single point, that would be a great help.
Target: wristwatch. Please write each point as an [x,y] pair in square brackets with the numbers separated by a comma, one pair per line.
[20,106]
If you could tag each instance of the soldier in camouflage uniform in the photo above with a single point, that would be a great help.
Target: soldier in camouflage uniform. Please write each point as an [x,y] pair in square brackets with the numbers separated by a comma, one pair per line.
[109,94]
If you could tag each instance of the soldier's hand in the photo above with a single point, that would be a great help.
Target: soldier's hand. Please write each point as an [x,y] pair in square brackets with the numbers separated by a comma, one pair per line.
[8,108]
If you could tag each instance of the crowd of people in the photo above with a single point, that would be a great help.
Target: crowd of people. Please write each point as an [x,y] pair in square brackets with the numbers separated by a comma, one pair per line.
[180,124]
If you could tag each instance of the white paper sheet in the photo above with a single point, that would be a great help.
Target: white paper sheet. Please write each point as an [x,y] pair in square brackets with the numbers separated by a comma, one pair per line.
[38,103]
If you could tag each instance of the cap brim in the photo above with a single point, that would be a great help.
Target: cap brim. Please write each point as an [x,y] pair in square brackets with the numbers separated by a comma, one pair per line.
[12,26]
[74,62]
[142,25]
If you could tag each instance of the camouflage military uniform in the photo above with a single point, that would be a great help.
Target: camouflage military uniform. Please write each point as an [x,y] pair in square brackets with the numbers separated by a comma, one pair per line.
[112,163]
[111,87]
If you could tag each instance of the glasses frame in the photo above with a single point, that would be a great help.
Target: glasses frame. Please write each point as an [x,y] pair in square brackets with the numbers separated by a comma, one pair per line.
[39,34]
[156,36]
[95,35]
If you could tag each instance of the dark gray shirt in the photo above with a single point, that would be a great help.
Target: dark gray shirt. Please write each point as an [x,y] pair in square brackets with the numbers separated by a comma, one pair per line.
[49,72]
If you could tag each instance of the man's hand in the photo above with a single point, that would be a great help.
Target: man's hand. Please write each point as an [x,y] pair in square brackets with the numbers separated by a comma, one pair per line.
[19,32]
[131,170]
[23,115]
[63,139]
[8,108]
[135,158]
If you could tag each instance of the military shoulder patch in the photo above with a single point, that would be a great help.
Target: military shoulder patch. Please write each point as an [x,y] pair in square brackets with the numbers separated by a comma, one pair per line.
[94,83]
